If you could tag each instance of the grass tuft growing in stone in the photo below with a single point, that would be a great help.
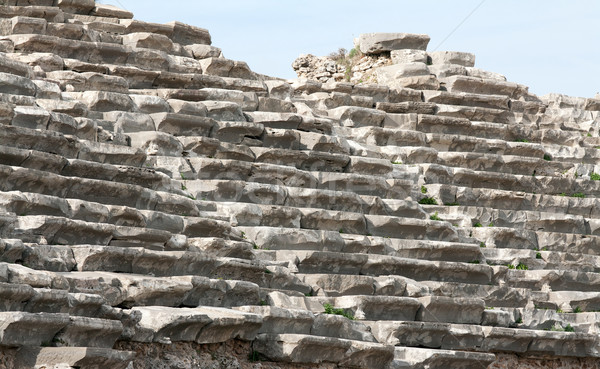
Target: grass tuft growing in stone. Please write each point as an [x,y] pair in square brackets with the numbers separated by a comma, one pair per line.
[435,216]
[522,266]
[428,201]
[329,309]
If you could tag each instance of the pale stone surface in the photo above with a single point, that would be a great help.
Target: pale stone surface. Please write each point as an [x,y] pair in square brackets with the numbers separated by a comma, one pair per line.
[452,57]
[409,56]
[374,43]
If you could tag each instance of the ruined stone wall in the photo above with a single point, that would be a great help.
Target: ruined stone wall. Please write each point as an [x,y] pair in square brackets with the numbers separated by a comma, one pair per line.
[163,206]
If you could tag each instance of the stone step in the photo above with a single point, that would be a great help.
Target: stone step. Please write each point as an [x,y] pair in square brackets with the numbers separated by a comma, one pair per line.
[499,237]
[218,247]
[90,332]
[435,173]
[489,115]
[27,329]
[83,357]
[33,204]
[146,290]
[206,168]
[121,194]
[277,320]
[201,325]
[358,307]
[442,142]
[23,297]
[182,263]
[500,163]
[295,121]
[63,231]
[584,155]
[196,87]
[101,24]
[468,99]
[38,10]
[56,143]
[323,101]
[468,216]
[355,117]
[555,319]
[353,224]
[57,164]
[377,92]
[270,238]
[493,296]
[512,200]
[213,192]
[330,262]
[421,358]
[448,336]
[335,285]
[542,259]
[297,348]
[523,130]
[559,101]
[556,280]
[486,86]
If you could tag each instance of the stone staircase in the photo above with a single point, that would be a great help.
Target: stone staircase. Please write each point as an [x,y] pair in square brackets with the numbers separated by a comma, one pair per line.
[154,193]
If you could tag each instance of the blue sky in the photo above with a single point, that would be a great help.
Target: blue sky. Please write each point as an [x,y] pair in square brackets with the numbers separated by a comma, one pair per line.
[550,46]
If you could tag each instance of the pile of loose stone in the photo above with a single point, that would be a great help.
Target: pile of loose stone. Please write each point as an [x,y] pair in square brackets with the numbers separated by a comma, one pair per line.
[154,194]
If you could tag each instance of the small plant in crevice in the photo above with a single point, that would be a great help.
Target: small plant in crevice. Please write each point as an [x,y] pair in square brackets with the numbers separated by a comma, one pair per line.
[522,266]
[519,321]
[538,255]
[477,225]
[580,195]
[547,157]
[595,176]
[329,309]
[491,224]
[451,204]
[482,245]
[423,189]
[254,356]
[578,310]
[435,216]
[569,328]
[428,201]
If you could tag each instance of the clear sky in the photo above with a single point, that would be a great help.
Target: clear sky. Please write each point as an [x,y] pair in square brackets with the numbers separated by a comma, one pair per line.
[550,45]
